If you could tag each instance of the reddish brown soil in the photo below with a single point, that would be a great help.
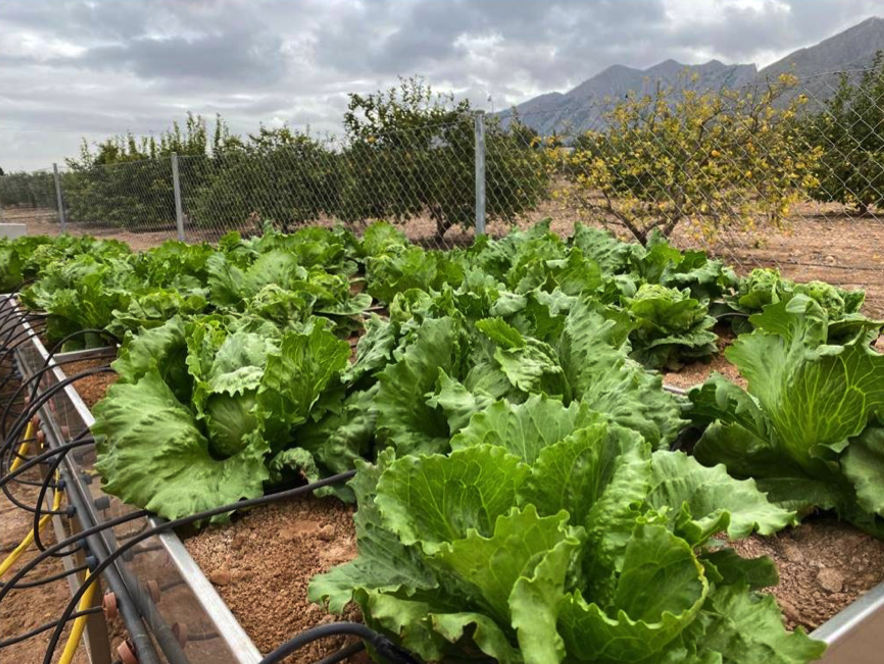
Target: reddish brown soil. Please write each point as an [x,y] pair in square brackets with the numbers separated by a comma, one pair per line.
[824,565]
[696,373]
[262,562]
[27,608]
[93,387]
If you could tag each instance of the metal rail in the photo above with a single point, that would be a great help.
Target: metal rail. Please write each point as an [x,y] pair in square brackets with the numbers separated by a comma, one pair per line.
[854,635]
[190,604]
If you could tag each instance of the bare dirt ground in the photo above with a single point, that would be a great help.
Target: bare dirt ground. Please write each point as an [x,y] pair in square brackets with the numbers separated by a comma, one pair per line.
[824,565]
[22,610]
[262,563]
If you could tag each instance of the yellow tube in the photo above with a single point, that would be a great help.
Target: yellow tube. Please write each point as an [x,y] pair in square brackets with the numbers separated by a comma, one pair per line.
[70,648]
[15,554]
[23,448]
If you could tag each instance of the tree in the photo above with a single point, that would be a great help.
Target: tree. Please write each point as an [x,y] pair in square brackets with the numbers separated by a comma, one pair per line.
[34,190]
[412,152]
[126,179]
[849,132]
[715,158]
[278,175]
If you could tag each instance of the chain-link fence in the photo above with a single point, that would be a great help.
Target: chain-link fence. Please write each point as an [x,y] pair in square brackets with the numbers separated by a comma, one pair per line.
[788,173]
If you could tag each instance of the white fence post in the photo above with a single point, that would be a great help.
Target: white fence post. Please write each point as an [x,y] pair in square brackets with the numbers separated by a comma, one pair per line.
[479,124]
[176,186]
[58,197]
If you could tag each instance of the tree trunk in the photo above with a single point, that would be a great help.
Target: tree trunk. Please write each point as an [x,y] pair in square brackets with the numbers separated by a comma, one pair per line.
[442,225]
[861,209]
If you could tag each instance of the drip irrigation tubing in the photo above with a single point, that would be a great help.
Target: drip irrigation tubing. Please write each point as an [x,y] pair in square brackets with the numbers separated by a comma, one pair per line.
[380,643]
[163,527]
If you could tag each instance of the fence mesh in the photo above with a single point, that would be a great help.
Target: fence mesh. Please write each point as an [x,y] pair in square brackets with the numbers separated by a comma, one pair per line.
[788,174]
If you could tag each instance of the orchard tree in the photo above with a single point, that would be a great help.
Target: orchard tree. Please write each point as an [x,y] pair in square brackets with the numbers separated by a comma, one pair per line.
[412,152]
[34,190]
[715,159]
[849,132]
[126,179]
[279,175]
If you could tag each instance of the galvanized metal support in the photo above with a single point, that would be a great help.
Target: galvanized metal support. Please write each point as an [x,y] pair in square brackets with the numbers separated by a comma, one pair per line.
[479,124]
[58,197]
[176,186]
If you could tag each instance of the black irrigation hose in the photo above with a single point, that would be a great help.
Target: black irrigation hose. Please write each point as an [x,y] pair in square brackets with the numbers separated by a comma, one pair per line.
[40,458]
[382,645]
[49,579]
[127,603]
[17,455]
[35,378]
[46,627]
[76,540]
[168,525]
[8,347]
[343,653]
[35,405]
[89,330]
[41,496]
[62,449]
[17,337]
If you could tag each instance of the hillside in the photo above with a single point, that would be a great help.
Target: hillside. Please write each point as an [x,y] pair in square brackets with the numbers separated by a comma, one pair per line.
[583,107]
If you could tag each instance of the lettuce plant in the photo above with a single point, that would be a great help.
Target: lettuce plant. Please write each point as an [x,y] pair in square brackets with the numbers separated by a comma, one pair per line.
[671,327]
[447,368]
[765,286]
[202,409]
[550,534]
[808,427]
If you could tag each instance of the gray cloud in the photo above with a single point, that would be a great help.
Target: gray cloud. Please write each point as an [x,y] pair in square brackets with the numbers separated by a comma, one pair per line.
[94,68]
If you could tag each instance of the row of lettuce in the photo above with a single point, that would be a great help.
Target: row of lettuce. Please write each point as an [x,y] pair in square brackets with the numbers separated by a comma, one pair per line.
[517,496]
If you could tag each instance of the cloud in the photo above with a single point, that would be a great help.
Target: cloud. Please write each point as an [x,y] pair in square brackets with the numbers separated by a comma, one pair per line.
[93,68]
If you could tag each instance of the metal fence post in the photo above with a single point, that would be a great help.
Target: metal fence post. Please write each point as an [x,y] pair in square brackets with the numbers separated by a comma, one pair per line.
[58,197]
[176,186]
[479,124]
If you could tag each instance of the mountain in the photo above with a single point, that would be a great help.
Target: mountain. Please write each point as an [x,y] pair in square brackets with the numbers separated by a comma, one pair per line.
[817,67]
[584,106]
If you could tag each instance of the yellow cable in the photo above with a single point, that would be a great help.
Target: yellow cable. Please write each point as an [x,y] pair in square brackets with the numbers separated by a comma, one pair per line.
[79,624]
[23,448]
[29,538]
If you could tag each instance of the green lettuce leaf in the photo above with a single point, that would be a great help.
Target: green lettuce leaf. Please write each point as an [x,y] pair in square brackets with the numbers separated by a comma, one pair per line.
[807,401]
[152,454]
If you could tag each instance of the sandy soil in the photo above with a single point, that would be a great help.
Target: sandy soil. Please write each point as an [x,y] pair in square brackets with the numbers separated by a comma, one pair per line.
[263,561]
[824,565]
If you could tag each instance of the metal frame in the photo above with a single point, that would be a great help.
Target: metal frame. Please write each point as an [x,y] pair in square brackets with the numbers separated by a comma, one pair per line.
[854,635]
[162,561]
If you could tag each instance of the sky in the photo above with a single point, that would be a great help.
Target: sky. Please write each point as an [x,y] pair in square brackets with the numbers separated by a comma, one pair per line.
[75,69]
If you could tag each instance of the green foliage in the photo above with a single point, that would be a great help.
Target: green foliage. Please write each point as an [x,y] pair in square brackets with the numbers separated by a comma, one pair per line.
[807,428]
[671,327]
[23,189]
[412,153]
[126,178]
[279,175]
[240,398]
[548,534]
[710,159]
[847,132]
